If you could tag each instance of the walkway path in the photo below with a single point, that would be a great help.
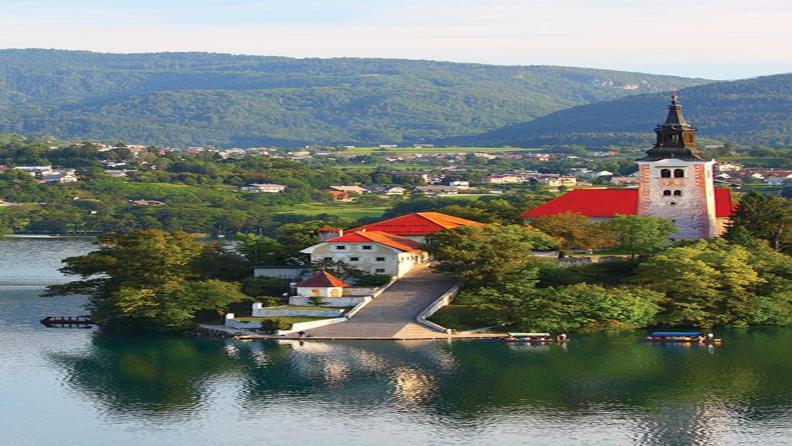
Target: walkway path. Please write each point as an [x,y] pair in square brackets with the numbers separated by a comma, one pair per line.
[393,313]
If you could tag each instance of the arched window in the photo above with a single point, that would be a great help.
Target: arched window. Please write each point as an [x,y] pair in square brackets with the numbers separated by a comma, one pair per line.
[679,173]
[677,193]
[667,193]
[665,173]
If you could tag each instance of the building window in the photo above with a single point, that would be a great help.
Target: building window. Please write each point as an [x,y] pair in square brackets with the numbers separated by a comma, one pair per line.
[667,193]
[679,173]
[366,247]
[677,193]
[673,203]
[354,259]
[665,173]
[380,259]
[379,270]
[340,247]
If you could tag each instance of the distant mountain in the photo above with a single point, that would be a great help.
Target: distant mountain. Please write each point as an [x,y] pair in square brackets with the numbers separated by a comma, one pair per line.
[221,99]
[751,111]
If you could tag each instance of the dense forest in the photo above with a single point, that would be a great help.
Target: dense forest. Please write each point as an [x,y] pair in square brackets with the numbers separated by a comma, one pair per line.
[753,111]
[226,100]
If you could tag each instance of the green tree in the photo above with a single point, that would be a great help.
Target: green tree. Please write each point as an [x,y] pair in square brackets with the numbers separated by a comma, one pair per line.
[706,283]
[488,254]
[766,217]
[146,279]
[259,250]
[584,307]
[574,232]
[640,235]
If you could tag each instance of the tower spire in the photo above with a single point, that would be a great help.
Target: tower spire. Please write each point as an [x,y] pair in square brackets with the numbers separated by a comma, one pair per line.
[675,137]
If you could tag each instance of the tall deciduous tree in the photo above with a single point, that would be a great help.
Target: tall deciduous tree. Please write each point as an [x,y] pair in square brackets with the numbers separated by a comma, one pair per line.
[146,279]
[574,231]
[639,235]
[489,254]
[766,217]
[707,283]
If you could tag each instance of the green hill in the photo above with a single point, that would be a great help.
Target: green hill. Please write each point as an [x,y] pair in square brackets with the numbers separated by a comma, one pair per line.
[221,99]
[751,111]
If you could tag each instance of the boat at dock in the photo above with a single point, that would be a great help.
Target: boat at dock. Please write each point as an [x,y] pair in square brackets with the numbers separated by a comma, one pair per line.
[67,321]
[535,338]
[682,337]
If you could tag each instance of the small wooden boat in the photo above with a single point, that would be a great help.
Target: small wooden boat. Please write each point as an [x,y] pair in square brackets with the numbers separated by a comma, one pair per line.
[534,338]
[66,321]
[682,337]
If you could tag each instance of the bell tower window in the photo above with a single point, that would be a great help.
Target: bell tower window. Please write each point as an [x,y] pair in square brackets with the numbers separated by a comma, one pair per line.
[665,173]
[677,193]
[666,193]
[679,173]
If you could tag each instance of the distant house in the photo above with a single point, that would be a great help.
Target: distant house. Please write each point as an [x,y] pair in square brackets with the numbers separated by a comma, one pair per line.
[341,197]
[349,189]
[264,188]
[387,190]
[728,167]
[460,184]
[557,181]
[506,178]
[777,180]
[437,190]
[59,176]
[624,181]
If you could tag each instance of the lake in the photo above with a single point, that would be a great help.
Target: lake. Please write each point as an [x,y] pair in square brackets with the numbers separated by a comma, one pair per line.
[75,386]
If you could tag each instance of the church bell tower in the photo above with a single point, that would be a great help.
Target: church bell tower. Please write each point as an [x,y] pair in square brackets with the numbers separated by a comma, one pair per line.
[675,182]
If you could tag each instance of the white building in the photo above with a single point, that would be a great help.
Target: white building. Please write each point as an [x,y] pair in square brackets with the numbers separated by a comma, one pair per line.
[374,252]
[264,187]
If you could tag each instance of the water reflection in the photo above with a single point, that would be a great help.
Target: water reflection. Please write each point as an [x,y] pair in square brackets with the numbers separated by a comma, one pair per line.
[659,395]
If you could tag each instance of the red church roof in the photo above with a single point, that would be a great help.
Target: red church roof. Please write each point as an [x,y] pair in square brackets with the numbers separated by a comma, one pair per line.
[606,203]
[323,279]
[384,238]
[418,223]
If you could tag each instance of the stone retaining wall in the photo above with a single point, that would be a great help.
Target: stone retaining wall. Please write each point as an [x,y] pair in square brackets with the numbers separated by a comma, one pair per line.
[439,303]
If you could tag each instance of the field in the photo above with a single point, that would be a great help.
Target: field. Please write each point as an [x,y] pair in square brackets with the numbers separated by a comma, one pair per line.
[428,150]
[351,210]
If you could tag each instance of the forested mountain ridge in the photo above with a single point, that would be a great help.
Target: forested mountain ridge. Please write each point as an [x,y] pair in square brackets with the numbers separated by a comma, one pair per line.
[750,111]
[221,99]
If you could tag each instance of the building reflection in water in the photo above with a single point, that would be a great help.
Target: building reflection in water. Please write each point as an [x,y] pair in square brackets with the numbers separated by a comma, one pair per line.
[652,395]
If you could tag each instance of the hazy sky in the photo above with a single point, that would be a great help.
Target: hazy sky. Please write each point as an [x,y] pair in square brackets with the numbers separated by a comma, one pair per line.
[719,39]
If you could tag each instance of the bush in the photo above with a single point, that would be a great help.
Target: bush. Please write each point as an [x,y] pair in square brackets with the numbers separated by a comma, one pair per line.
[264,286]
[273,324]
[373,280]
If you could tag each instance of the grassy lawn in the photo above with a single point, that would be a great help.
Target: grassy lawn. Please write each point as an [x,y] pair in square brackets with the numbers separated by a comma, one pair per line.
[351,210]
[463,317]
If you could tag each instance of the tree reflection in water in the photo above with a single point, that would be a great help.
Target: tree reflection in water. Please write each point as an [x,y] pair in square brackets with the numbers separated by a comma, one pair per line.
[664,394]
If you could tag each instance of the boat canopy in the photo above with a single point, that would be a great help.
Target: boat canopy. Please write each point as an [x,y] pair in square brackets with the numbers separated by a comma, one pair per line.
[676,333]
[525,335]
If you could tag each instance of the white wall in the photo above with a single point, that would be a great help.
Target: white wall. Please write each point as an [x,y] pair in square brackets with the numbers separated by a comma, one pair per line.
[693,212]
[349,301]
[395,263]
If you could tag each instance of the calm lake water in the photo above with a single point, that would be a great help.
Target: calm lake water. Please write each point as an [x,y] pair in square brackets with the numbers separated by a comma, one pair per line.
[77,387]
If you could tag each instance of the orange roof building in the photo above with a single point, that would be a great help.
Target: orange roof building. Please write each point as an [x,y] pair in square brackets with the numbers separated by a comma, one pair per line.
[418,225]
